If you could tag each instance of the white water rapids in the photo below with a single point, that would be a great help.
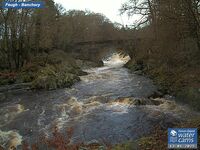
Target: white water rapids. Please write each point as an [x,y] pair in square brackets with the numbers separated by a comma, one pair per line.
[109,104]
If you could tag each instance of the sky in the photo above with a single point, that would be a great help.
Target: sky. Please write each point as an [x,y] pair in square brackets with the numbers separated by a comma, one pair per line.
[110,8]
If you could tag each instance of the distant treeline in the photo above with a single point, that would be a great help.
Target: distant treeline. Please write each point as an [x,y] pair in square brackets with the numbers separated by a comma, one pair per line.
[26,32]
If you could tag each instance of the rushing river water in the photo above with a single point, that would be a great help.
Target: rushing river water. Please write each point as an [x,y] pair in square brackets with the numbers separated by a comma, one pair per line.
[99,108]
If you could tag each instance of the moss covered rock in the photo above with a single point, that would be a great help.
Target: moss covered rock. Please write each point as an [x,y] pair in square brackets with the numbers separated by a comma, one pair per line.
[52,70]
[52,78]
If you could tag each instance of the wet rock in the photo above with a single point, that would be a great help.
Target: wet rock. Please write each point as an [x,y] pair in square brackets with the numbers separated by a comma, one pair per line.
[146,102]
[139,101]
[100,63]
[76,110]
[76,71]
[157,102]
[82,73]
[135,66]
[100,99]
[72,106]
[156,94]
[72,101]
[139,72]
[126,101]
[169,97]
[168,105]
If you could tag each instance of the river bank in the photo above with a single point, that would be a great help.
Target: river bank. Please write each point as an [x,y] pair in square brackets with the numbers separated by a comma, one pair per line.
[54,70]
[184,88]
[158,138]
[110,105]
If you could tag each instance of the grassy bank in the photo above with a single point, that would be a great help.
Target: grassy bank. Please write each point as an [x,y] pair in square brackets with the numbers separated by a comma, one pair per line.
[46,71]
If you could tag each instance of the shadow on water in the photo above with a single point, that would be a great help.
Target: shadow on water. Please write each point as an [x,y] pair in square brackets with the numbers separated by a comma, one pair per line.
[109,104]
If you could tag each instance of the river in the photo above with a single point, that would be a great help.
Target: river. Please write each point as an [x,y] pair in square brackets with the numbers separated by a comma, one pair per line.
[109,104]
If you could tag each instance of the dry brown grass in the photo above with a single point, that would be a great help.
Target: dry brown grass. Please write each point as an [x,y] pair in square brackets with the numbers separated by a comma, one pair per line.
[60,142]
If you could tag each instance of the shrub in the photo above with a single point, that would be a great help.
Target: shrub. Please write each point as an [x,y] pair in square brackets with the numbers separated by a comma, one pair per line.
[51,78]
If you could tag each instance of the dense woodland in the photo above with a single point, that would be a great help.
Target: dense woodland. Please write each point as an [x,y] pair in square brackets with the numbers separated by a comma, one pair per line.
[28,32]
[36,44]
[168,44]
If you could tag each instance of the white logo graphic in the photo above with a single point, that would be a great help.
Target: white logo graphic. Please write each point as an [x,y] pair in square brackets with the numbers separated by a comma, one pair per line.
[173,133]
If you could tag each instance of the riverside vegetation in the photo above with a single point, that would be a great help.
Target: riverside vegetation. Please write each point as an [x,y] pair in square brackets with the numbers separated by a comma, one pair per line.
[167,47]
[156,141]
[36,44]
[36,47]
[47,71]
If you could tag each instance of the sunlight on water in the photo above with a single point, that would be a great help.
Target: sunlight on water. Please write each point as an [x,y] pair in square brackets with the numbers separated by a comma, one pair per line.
[116,60]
